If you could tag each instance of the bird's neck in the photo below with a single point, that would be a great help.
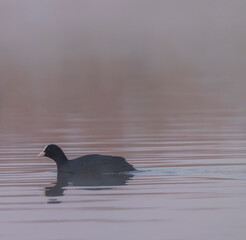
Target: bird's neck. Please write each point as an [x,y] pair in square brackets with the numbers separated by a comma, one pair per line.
[60,160]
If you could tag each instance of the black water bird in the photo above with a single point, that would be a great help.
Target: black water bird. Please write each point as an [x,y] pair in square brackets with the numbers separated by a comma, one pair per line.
[88,164]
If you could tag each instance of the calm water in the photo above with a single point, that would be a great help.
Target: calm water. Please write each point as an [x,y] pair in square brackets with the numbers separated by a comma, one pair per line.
[163,86]
[190,156]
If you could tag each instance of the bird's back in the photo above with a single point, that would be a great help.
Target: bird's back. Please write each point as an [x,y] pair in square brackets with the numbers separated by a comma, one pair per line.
[96,163]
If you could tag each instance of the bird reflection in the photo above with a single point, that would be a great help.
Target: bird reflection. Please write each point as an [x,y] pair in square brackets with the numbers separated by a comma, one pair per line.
[90,182]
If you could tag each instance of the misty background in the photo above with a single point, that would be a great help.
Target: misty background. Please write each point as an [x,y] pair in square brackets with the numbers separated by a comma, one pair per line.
[159,82]
[191,37]
[118,58]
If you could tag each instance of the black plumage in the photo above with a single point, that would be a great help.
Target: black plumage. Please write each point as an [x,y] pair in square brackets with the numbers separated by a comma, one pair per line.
[88,164]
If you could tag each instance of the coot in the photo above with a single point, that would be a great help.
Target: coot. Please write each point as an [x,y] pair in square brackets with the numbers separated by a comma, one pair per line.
[88,164]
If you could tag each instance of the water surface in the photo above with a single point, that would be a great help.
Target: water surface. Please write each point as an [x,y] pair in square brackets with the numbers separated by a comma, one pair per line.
[190,182]
[163,86]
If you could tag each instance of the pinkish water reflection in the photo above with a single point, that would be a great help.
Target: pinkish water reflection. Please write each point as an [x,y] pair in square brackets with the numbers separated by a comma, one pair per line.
[191,157]
[183,131]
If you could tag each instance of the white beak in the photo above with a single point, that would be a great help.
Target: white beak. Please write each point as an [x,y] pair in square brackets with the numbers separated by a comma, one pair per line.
[42,154]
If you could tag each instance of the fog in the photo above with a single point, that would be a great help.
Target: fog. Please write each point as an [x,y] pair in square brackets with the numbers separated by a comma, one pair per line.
[161,83]
[156,38]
